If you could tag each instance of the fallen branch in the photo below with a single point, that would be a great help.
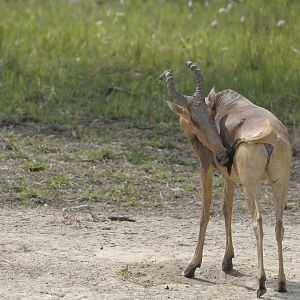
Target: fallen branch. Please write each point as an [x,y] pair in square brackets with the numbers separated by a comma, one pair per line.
[77,208]
[121,219]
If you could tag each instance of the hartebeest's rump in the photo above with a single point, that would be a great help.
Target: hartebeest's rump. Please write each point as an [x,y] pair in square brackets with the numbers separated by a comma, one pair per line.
[247,144]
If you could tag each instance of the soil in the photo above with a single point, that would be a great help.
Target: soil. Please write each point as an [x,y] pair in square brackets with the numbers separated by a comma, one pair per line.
[109,251]
[50,254]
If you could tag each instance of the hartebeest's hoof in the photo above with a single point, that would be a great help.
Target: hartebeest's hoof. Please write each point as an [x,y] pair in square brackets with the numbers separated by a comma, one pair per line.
[227,264]
[282,287]
[189,271]
[260,292]
[261,286]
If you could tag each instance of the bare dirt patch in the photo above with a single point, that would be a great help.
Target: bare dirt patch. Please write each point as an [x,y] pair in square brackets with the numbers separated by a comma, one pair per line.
[142,225]
[88,256]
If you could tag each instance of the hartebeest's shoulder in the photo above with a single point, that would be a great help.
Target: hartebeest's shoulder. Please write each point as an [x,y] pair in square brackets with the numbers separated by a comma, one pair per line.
[237,118]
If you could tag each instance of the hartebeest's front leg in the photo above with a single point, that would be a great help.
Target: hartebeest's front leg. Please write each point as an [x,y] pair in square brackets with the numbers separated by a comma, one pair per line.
[206,186]
[228,190]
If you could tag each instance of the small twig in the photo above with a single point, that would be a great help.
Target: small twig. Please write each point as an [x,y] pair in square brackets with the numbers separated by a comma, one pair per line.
[121,219]
[118,89]
[77,208]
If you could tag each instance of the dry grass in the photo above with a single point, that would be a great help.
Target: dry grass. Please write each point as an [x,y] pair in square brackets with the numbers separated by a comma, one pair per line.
[114,165]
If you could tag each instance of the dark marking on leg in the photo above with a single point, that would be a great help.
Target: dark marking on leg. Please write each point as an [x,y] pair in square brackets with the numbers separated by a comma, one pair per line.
[227,264]
[269,149]
[282,287]
[261,286]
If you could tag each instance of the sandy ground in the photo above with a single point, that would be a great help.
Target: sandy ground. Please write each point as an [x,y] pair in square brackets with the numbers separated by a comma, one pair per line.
[48,254]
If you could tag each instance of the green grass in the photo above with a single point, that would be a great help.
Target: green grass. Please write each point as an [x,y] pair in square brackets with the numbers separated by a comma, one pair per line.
[96,156]
[29,195]
[58,181]
[138,157]
[113,194]
[62,62]
[36,166]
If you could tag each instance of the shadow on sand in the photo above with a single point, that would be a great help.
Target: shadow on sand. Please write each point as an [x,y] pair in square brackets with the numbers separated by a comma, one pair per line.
[293,290]
[293,287]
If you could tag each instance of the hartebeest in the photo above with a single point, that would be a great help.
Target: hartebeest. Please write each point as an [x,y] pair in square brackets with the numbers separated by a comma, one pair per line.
[247,144]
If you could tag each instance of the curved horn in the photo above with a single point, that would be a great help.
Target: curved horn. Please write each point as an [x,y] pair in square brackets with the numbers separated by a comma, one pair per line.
[168,75]
[200,79]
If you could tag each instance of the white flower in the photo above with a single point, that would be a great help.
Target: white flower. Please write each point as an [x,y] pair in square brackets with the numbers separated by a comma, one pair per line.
[224,49]
[229,6]
[242,19]
[77,59]
[120,14]
[190,3]
[280,23]
[214,23]
[295,50]
[227,9]
[99,22]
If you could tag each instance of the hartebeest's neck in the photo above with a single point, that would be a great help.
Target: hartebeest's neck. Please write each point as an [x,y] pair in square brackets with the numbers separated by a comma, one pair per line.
[200,114]
[206,130]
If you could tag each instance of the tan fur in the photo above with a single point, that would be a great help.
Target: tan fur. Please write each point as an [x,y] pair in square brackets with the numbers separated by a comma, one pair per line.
[251,127]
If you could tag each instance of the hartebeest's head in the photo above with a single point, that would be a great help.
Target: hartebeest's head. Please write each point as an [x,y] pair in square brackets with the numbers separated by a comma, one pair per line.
[197,112]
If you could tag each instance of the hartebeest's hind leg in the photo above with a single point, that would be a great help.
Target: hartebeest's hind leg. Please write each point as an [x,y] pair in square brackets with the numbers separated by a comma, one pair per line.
[228,191]
[252,193]
[206,186]
[251,161]
[278,172]
[279,196]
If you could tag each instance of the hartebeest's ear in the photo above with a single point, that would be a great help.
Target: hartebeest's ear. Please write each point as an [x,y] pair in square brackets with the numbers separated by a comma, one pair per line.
[179,110]
[211,98]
